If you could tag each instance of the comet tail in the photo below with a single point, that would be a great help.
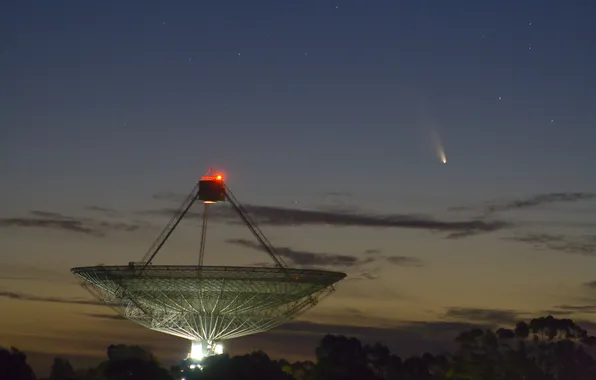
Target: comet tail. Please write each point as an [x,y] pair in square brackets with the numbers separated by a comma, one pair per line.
[439,147]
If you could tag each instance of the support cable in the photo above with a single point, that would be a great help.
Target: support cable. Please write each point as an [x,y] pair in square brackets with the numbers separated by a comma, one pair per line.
[256,231]
[248,221]
[252,226]
[203,235]
[170,227]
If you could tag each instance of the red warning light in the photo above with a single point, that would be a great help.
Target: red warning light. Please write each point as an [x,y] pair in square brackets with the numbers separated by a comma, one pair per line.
[212,188]
[216,177]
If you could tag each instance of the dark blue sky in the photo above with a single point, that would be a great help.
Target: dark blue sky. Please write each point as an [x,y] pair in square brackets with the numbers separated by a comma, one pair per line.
[106,103]
[159,91]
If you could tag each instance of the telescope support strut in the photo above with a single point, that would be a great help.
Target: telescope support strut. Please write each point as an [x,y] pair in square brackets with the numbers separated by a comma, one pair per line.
[203,234]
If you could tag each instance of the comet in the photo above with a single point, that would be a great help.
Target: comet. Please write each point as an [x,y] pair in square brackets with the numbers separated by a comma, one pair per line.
[439,147]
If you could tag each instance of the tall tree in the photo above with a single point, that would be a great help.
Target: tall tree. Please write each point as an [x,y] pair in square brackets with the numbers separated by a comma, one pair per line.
[62,370]
[341,358]
[13,365]
[132,363]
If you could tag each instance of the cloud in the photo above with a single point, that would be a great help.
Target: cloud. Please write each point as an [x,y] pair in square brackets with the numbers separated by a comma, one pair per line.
[483,316]
[61,224]
[587,303]
[539,200]
[280,216]
[591,284]
[105,210]
[128,227]
[169,196]
[112,317]
[336,202]
[528,202]
[494,318]
[363,274]
[557,313]
[284,217]
[404,261]
[358,268]
[48,214]
[589,309]
[306,258]
[31,297]
[52,220]
[490,209]
[343,194]
[585,245]
[23,272]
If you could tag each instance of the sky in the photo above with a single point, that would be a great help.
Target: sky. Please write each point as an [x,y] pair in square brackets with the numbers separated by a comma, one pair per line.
[328,119]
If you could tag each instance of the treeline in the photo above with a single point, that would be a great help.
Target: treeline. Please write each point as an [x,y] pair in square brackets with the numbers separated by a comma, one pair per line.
[544,349]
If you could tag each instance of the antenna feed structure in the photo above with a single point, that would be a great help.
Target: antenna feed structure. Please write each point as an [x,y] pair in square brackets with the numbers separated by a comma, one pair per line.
[212,189]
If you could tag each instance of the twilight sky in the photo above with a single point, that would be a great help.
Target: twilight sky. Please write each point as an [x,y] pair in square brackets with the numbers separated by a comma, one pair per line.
[109,111]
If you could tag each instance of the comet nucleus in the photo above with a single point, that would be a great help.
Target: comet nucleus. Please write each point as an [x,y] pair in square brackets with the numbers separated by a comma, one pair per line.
[439,147]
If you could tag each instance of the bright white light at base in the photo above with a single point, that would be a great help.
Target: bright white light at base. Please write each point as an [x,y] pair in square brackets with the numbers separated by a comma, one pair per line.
[201,349]
[218,349]
[196,351]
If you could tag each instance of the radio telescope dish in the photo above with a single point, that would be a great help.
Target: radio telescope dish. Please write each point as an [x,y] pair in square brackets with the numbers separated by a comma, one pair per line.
[208,304]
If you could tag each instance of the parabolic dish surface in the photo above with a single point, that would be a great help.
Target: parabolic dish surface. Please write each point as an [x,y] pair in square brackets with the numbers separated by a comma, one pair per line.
[209,303]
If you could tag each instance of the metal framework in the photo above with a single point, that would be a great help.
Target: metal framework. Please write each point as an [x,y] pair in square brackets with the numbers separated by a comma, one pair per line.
[208,303]
[194,195]
[223,303]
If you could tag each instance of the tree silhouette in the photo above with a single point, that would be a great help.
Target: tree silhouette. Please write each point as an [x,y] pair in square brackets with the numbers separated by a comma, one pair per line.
[342,358]
[522,330]
[380,360]
[13,365]
[546,348]
[62,370]
[132,363]
[301,370]
[256,365]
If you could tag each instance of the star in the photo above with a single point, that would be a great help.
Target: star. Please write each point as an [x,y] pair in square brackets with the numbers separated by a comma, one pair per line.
[499,98]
